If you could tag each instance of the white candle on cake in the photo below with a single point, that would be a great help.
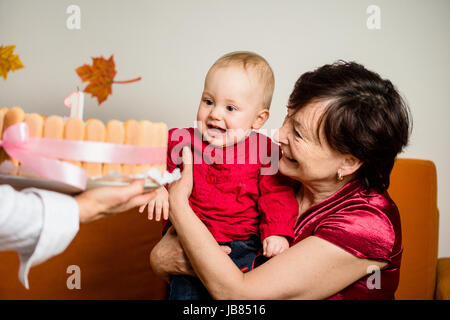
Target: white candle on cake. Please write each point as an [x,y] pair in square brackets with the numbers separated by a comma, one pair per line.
[75,101]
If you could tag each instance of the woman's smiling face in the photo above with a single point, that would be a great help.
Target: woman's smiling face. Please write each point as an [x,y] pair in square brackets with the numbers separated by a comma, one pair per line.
[305,157]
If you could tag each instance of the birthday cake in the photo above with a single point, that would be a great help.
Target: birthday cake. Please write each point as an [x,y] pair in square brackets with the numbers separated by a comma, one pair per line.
[114,133]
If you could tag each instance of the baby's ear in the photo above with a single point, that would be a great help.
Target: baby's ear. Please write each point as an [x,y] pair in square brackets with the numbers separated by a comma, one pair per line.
[261,118]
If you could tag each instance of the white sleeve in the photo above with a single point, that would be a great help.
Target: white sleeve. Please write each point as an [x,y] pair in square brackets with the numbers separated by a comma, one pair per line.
[37,224]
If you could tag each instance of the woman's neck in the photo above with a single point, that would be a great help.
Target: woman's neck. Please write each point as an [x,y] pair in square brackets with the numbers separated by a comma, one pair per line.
[311,194]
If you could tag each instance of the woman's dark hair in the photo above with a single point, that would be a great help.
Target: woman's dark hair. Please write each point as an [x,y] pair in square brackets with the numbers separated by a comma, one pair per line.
[365,116]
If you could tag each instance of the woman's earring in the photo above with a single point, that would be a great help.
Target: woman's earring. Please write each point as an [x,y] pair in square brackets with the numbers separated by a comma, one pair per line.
[340,177]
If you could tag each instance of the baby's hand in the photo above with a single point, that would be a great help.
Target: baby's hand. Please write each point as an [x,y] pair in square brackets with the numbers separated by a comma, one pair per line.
[158,205]
[274,245]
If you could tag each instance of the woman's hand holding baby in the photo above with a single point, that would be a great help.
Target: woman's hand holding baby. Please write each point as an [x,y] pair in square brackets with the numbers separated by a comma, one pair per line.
[274,245]
[158,205]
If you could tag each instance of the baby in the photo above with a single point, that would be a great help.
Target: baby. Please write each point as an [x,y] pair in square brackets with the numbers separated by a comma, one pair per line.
[237,192]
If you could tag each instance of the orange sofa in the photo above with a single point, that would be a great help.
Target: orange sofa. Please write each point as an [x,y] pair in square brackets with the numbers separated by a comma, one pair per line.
[414,189]
[113,253]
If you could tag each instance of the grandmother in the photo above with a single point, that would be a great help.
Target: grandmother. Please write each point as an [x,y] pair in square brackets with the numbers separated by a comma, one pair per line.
[343,129]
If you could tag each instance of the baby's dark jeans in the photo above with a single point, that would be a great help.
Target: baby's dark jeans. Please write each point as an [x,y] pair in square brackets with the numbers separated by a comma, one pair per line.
[243,253]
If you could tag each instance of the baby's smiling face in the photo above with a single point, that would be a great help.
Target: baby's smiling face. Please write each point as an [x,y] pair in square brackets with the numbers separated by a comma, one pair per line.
[231,105]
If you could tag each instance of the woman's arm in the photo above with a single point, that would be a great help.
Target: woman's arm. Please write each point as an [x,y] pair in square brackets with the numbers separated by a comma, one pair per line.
[312,269]
[168,257]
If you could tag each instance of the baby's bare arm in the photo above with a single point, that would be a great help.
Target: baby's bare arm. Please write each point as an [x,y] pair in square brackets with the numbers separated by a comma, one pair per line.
[158,205]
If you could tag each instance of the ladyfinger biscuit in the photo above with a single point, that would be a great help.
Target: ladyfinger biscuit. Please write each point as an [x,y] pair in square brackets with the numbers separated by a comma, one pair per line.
[115,133]
[13,116]
[94,131]
[131,138]
[3,112]
[2,119]
[53,127]
[74,130]
[146,138]
[161,134]
[35,124]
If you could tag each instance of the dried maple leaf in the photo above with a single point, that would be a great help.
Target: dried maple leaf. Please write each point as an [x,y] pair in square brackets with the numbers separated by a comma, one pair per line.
[8,60]
[100,77]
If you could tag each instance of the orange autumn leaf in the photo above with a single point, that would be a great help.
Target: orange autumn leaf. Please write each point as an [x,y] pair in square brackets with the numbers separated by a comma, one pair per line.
[100,77]
[8,60]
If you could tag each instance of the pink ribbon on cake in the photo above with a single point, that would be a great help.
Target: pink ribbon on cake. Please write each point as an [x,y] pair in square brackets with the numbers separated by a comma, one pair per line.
[41,154]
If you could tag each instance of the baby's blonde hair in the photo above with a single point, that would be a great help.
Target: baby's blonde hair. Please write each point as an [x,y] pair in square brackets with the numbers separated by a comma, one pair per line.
[259,64]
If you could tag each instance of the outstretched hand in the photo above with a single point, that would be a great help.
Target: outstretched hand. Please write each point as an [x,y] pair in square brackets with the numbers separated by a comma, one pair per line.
[104,201]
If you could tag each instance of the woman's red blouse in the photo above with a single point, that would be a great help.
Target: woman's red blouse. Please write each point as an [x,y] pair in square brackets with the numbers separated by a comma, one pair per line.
[367,225]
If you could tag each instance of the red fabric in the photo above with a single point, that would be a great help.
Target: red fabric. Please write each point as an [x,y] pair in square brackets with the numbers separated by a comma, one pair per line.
[235,200]
[366,224]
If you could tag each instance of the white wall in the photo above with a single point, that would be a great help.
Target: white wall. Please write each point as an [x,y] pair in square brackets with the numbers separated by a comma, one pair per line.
[171,44]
